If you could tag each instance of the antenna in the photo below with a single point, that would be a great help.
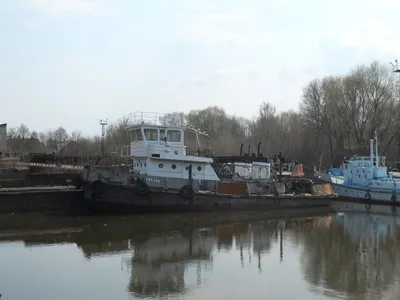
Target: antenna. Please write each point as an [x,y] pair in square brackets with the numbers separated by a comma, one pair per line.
[395,66]
[103,123]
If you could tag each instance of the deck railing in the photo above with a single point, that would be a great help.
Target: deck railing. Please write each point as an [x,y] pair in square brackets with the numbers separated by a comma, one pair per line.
[158,119]
[382,159]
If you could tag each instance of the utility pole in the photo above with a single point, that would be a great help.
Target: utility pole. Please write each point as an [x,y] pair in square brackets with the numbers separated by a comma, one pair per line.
[103,123]
[396,70]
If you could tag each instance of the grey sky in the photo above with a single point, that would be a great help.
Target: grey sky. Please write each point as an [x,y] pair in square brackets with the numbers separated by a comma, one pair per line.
[68,62]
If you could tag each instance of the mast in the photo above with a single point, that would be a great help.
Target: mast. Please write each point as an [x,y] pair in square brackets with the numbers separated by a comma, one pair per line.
[376,151]
[103,123]
[371,151]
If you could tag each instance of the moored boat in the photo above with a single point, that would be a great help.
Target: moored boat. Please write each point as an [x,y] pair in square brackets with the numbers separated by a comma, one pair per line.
[364,179]
[158,173]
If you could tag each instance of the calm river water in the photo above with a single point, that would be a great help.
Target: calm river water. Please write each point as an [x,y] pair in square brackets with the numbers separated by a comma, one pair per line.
[200,256]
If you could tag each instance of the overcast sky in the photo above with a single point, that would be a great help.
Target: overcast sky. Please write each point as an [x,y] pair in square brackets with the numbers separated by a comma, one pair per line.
[69,62]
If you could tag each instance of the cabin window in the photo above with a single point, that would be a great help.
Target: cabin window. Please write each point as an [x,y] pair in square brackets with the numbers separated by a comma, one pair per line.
[174,136]
[139,135]
[151,134]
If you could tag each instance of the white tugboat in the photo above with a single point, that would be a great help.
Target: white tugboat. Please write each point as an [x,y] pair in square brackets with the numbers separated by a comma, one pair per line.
[159,172]
[158,157]
[364,179]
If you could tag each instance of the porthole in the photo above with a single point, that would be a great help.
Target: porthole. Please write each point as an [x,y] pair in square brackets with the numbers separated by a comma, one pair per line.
[160,166]
[145,164]
[187,168]
[198,168]
[173,166]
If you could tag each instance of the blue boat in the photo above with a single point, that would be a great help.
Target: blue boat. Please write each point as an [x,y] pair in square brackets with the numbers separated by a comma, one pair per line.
[364,179]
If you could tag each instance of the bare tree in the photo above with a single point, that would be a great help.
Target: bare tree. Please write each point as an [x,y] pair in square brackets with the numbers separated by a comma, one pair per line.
[23,131]
[60,138]
[76,135]
[34,135]
[12,133]
[337,117]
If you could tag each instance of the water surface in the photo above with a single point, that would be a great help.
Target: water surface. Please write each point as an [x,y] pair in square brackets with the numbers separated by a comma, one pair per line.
[200,256]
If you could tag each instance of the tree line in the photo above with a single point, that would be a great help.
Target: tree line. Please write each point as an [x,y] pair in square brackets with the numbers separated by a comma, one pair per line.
[337,117]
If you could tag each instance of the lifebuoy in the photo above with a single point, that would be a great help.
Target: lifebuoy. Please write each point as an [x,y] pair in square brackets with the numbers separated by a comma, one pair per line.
[187,192]
[368,196]
[141,187]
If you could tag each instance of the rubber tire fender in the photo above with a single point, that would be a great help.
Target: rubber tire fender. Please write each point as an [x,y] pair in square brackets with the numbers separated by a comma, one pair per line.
[97,187]
[187,192]
[141,188]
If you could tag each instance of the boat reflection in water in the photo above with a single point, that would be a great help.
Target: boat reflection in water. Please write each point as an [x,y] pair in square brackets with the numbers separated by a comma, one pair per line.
[222,256]
[357,257]
[158,264]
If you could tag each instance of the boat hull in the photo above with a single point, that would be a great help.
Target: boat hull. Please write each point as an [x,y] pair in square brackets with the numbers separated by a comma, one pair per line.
[345,206]
[328,178]
[361,195]
[116,198]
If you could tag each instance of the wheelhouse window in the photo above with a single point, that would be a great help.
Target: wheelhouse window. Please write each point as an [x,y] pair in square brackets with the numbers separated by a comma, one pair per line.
[151,134]
[174,136]
[139,136]
[135,135]
[162,134]
[132,136]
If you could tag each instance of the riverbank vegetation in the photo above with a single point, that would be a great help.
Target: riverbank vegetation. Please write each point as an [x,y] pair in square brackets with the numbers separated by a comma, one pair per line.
[337,117]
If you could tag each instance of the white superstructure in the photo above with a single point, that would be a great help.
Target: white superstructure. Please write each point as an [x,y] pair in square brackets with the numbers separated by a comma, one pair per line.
[157,147]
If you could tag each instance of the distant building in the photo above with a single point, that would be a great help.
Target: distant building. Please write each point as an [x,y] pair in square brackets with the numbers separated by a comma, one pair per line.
[3,138]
